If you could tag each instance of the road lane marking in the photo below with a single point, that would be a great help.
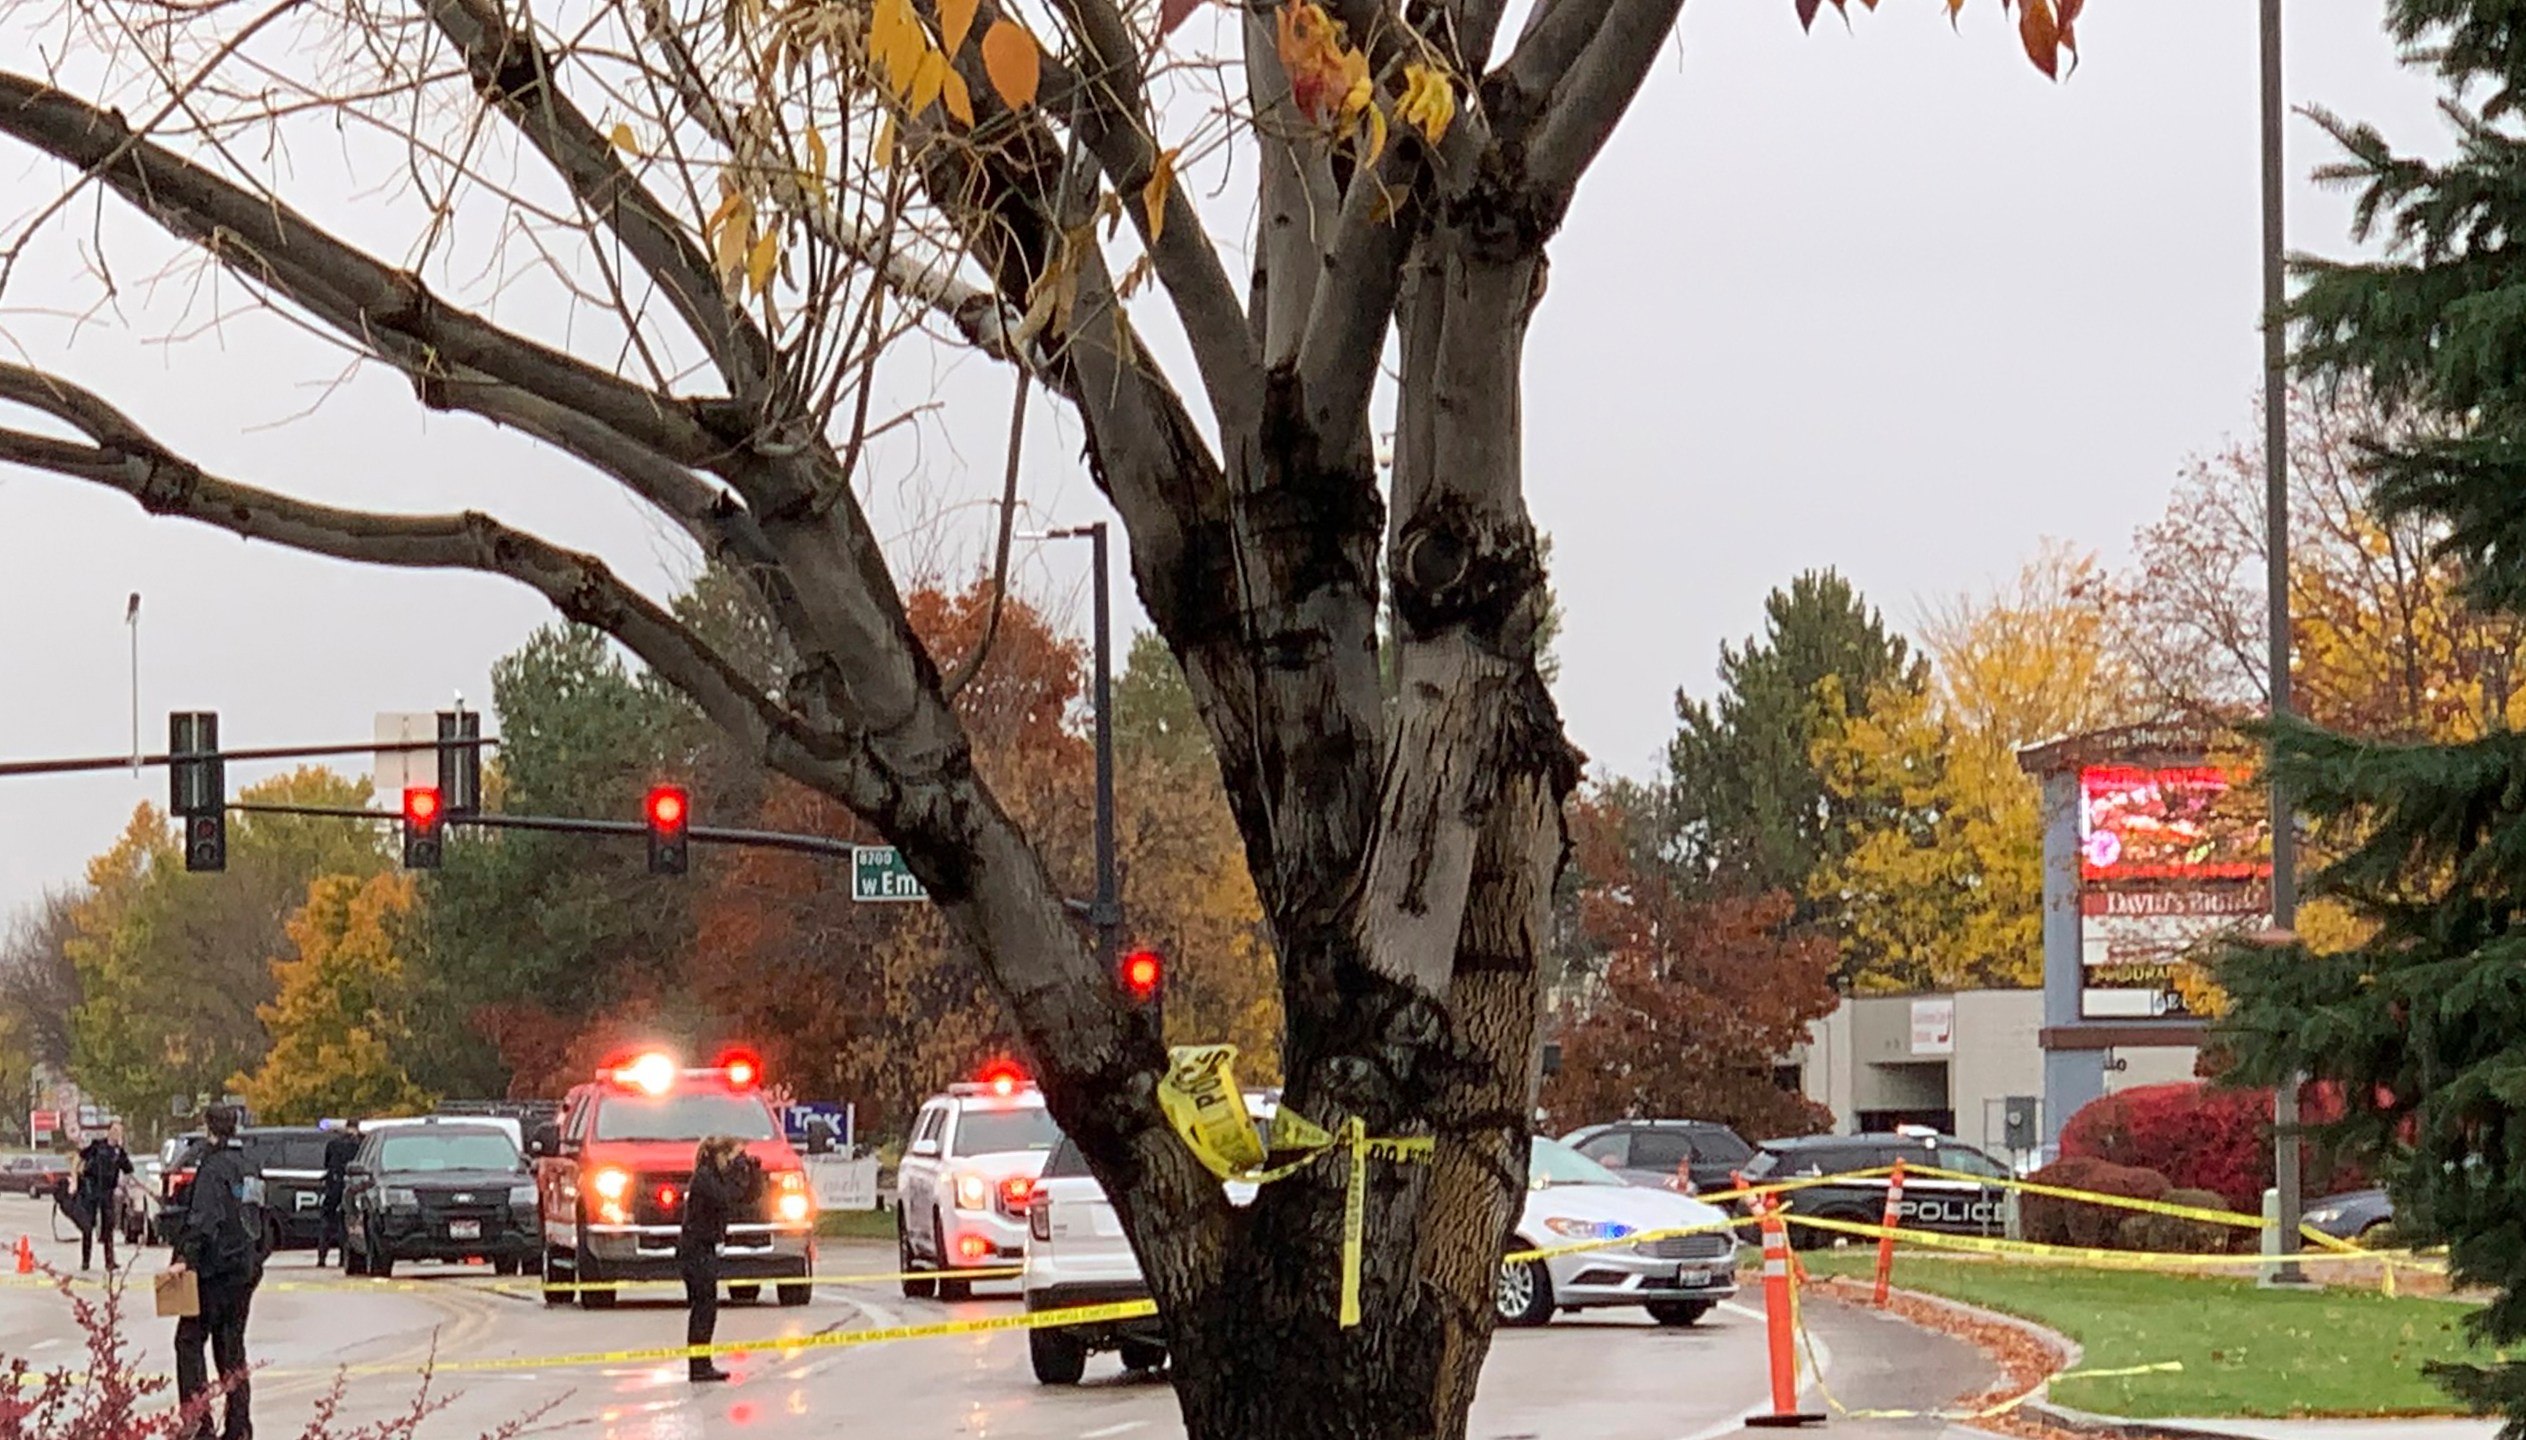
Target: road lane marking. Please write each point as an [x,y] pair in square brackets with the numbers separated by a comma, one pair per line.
[1128,1425]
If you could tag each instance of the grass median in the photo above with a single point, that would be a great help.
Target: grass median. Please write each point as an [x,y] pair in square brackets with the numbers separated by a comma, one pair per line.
[856,1224]
[2245,1351]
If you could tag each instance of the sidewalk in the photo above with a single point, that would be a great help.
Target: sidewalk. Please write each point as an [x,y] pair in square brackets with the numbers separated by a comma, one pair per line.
[2338,1429]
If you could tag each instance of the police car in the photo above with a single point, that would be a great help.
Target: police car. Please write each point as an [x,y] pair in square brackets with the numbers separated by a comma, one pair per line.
[1952,1207]
[966,1179]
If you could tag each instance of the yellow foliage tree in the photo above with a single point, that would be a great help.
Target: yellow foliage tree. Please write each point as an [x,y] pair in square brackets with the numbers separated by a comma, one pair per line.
[339,1024]
[1941,883]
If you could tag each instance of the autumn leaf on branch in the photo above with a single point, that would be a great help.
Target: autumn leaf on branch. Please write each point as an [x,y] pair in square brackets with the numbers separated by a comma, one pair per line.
[2045,27]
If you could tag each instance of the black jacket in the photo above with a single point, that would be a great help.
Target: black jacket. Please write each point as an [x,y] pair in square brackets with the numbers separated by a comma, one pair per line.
[340,1151]
[102,1167]
[222,1238]
[716,1196]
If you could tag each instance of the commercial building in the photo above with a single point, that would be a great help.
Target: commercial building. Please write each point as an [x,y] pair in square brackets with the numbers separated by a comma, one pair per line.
[1958,1062]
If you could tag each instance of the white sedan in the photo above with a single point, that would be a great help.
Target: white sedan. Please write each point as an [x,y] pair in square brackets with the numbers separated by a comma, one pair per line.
[1571,1199]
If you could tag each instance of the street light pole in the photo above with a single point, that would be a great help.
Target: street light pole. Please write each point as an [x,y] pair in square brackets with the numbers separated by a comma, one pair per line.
[1106,911]
[2285,1177]
[131,620]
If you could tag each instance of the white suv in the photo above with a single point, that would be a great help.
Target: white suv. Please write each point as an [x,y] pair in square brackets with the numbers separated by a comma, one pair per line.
[964,1184]
[1077,1254]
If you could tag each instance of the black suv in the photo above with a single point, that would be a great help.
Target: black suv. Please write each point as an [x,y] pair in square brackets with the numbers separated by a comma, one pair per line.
[445,1189]
[1953,1207]
[292,1161]
[1649,1152]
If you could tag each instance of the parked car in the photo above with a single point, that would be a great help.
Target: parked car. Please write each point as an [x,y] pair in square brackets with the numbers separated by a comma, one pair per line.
[440,1190]
[1953,1207]
[291,1159]
[1657,1152]
[34,1175]
[966,1179]
[1077,1254]
[2352,1214]
[1570,1198]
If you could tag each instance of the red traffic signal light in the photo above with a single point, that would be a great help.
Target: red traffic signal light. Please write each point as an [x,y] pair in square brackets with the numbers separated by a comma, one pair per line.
[667,807]
[1144,973]
[421,808]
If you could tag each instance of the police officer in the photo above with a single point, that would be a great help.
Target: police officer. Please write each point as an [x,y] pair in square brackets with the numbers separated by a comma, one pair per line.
[340,1150]
[102,1167]
[221,1241]
[726,1181]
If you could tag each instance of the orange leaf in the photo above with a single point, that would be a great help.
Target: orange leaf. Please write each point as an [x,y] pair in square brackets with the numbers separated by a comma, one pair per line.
[1154,196]
[1325,77]
[958,100]
[2041,32]
[1009,58]
[955,22]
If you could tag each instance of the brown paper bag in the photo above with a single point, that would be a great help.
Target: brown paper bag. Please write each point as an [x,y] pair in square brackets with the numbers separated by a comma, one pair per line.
[179,1295]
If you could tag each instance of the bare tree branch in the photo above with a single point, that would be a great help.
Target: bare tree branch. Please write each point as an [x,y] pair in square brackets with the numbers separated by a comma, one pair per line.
[1591,97]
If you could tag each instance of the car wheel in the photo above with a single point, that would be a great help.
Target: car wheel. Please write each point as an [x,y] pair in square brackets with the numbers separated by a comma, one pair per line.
[797,1292]
[1058,1358]
[1678,1313]
[1523,1294]
[745,1294]
[1816,1237]
[1142,1355]
[553,1293]
[947,1289]
[913,1289]
[599,1299]
[271,1236]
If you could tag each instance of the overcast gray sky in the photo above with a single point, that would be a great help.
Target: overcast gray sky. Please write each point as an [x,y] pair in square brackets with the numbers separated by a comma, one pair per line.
[1878,298]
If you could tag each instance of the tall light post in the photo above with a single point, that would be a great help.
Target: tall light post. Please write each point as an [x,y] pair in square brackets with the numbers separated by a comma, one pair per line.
[131,622]
[2285,1178]
[1105,912]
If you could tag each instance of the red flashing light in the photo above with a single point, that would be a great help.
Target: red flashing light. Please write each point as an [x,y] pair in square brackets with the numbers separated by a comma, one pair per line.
[744,1068]
[667,807]
[666,1197]
[1003,1078]
[1015,1192]
[972,1247]
[421,807]
[1143,971]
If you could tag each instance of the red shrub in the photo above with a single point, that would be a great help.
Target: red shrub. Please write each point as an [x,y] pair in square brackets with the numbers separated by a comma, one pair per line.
[2202,1138]
[2049,1220]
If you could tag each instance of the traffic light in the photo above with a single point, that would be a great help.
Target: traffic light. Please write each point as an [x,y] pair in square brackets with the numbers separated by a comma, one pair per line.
[424,821]
[197,787]
[460,760]
[1144,981]
[669,814]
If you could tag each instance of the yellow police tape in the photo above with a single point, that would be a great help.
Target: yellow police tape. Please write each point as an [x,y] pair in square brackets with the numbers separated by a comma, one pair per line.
[2103,1259]
[1199,1096]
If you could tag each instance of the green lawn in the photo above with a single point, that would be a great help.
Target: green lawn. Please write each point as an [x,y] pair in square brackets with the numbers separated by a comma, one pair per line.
[2245,1352]
[856,1224]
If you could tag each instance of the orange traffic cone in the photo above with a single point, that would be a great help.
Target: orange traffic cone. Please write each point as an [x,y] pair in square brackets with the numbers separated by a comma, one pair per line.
[1781,1325]
[26,1256]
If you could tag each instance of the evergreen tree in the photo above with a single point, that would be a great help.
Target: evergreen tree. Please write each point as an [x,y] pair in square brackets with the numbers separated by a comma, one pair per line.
[1748,810]
[2423,1024]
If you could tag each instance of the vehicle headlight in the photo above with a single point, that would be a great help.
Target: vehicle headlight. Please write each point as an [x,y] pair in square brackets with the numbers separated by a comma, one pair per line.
[402,1199]
[2324,1215]
[972,1192]
[1572,1229]
[521,1197]
[793,1207]
[611,1184]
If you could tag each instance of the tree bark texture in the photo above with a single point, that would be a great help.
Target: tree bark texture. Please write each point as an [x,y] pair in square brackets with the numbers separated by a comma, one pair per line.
[1405,849]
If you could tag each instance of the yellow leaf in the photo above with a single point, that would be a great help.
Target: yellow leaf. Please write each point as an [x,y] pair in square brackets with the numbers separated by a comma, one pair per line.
[760,261]
[815,150]
[621,135]
[1154,196]
[958,100]
[1428,103]
[955,22]
[1133,278]
[927,78]
[734,233]
[1376,134]
[1009,58]
[895,43]
[885,154]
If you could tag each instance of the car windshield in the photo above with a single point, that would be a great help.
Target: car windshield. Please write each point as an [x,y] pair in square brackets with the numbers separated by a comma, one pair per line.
[455,1150]
[995,1132]
[1549,1162]
[695,1117]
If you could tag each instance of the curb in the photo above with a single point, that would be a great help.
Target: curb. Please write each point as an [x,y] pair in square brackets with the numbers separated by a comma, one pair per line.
[2085,1423]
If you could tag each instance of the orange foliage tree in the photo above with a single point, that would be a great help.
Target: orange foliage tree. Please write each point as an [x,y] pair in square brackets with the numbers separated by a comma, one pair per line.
[1699,999]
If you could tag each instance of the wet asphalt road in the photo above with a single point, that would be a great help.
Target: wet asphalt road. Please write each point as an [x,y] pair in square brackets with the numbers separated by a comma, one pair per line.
[1603,1375]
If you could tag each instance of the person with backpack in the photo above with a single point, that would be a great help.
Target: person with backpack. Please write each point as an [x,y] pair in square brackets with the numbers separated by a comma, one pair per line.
[102,1168]
[221,1242]
[340,1151]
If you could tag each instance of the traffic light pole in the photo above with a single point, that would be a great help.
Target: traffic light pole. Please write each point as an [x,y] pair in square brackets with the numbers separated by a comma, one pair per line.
[567,825]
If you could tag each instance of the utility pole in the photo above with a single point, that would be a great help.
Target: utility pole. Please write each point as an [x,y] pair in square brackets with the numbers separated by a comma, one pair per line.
[1105,912]
[2285,1176]
[131,622]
